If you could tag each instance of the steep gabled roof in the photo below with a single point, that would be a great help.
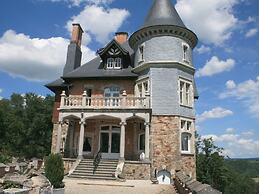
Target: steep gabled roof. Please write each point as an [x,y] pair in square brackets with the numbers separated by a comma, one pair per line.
[163,13]
[109,46]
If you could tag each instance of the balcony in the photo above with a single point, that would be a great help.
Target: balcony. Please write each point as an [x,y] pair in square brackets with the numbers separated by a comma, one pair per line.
[123,102]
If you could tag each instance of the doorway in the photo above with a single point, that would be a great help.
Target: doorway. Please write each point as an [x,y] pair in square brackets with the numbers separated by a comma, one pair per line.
[110,142]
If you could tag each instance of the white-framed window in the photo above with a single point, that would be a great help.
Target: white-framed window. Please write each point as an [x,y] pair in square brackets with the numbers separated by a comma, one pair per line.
[142,87]
[186,93]
[109,63]
[141,142]
[185,53]
[114,63]
[111,95]
[186,125]
[141,53]
[186,142]
[117,64]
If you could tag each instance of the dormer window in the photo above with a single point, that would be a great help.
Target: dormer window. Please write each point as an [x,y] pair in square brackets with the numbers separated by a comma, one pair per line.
[114,63]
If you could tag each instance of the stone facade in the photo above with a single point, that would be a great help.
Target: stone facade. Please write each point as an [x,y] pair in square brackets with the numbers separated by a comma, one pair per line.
[136,170]
[165,146]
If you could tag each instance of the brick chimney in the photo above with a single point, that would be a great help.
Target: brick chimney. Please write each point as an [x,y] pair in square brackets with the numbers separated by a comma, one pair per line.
[77,32]
[74,53]
[121,37]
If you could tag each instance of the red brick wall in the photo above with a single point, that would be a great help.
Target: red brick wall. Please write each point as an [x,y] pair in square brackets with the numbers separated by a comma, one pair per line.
[98,86]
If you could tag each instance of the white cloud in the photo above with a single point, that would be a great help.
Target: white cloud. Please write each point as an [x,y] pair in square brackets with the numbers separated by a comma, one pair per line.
[79,2]
[99,21]
[237,145]
[34,58]
[247,133]
[247,92]
[214,113]
[250,33]
[230,84]
[212,20]
[230,130]
[215,66]
[203,49]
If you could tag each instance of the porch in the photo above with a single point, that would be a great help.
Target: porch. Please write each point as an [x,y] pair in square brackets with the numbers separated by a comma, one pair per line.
[117,133]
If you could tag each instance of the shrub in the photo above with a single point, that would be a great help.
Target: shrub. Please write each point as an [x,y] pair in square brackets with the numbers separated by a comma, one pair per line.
[54,170]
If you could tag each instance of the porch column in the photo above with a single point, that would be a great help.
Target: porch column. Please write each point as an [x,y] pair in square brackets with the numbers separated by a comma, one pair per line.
[59,136]
[147,140]
[81,138]
[122,140]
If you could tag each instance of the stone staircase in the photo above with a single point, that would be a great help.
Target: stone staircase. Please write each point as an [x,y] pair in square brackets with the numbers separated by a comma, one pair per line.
[104,171]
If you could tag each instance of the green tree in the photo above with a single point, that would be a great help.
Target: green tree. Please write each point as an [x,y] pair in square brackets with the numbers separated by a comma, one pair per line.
[210,164]
[25,125]
[212,169]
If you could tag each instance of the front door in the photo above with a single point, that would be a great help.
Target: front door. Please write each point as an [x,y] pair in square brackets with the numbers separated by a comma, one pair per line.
[110,142]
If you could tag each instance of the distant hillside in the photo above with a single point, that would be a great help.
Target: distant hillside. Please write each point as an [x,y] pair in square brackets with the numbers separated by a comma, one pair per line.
[248,167]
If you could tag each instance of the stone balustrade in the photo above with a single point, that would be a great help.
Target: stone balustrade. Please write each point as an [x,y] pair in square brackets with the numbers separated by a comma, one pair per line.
[123,102]
[186,185]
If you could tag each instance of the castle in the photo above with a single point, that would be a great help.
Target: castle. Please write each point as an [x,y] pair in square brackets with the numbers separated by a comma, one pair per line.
[133,103]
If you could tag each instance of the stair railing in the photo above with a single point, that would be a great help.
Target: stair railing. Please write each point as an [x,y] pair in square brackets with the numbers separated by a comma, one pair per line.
[97,160]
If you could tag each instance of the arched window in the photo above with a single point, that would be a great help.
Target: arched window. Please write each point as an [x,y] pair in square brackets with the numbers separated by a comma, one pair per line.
[185,50]
[111,95]
[114,63]
[117,64]
[186,142]
[112,92]
[110,63]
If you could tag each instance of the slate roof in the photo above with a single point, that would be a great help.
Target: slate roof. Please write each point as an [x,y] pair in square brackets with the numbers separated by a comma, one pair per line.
[163,13]
[94,69]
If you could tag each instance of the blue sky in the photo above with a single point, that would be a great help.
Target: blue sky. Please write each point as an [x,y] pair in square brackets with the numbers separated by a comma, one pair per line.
[34,35]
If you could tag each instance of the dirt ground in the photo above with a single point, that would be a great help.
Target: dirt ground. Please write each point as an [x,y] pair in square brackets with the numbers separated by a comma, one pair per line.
[81,186]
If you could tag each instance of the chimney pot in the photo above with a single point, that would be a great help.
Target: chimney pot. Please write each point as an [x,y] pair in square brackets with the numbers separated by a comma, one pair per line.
[77,32]
[121,37]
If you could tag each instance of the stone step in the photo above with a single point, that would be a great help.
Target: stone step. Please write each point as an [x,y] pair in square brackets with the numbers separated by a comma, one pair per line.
[92,174]
[98,169]
[99,166]
[93,177]
[101,163]
[104,170]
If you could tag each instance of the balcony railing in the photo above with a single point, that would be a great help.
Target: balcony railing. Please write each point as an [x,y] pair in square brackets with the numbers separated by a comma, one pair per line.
[82,101]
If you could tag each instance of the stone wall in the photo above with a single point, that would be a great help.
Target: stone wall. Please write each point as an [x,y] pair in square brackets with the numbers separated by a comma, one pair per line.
[185,185]
[165,147]
[54,138]
[136,170]
[68,164]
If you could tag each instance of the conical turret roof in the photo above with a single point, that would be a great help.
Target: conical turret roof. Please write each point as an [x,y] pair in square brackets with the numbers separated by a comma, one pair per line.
[163,13]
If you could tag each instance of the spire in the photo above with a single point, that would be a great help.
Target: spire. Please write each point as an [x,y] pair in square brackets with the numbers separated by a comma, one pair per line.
[163,13]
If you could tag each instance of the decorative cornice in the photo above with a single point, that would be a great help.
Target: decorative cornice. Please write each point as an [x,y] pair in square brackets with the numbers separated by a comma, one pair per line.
[164,30]
[166,64]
